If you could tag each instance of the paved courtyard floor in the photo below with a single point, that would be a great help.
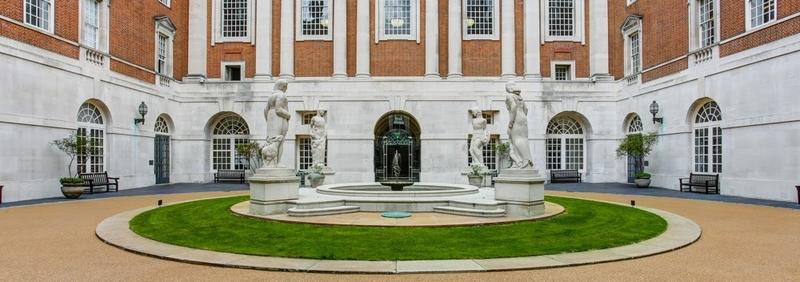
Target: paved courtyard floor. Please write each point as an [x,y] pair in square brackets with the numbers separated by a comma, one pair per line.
[56,241]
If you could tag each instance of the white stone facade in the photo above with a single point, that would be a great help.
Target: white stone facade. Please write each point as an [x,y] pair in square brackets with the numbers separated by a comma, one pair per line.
[756,91]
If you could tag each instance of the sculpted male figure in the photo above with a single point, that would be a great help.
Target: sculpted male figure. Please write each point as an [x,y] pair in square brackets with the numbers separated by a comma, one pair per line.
[479,137]
[277,115]
[319,138]
[518,128]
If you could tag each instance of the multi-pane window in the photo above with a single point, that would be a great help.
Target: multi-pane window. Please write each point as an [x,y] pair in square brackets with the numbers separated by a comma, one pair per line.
[635,52]
[564,145]
[161,126]
[92,129]
[480,18]
[708,139]
[161,56]
[489,152]
[706,20]
[561,17]
[488,116]
[91,22]
[304,157]
[761,12]
[307,116]
[234,18]
[227,134]
[397,17]
[315,18]
[563,72]
[635,126]
[39,13]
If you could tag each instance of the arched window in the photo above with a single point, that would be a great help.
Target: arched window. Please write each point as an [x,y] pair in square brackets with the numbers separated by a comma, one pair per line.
[92,128]
[229,132]
[565,143]
[635,125]
[161,126]
[707,136]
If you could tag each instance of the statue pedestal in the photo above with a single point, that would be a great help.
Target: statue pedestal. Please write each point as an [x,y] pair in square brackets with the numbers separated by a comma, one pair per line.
[271,188]
[522,189]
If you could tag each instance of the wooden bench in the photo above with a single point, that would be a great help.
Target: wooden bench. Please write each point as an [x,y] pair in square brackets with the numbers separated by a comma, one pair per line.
[99,179]
[705,181]
[229,175]
[567,175]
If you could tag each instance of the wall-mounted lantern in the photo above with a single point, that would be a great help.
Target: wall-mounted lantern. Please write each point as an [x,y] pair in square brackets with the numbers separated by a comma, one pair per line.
[654,111]
[142,111]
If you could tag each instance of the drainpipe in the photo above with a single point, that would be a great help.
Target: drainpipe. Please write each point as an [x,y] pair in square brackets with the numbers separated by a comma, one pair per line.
[1,194]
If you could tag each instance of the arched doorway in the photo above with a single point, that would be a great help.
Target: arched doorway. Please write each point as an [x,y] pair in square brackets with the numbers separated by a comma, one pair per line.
[707,138]
[635,163]
[161,150]
[228,132]
[92,128]
[565,143]
[397,141]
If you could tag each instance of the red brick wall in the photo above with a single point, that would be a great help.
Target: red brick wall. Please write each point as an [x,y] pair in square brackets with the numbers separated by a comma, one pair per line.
[733,24]
[397,57]
[276,37]
[665,28]
[132,34]
[665,70]
[137,73]
[481,57]
[519,40]
[443,37]
[351,37]
[313,58]
[66,26]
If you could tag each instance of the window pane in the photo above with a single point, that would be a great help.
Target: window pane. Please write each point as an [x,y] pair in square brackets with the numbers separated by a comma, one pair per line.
[761,12]
[234,18]
[304,159]
[397,17]
[480,17]
[562,72]
[707,32]
[314,16]
[635,53]
[37,13]
[561,15]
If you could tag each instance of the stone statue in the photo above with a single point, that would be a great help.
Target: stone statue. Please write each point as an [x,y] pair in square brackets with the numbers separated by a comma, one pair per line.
[277,115]
[319,138]
[518,128]
[396,164]
[479,137]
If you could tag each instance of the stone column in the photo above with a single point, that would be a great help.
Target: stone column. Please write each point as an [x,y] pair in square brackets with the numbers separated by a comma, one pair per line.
[340,39]
[532,40]
[263,28]
[507,39]
[454,40]
[362,39]
[198,41]
[432,39]
[287,39]
[598,39]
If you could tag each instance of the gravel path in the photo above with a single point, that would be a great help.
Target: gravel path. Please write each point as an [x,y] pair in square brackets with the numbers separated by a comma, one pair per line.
[56,241]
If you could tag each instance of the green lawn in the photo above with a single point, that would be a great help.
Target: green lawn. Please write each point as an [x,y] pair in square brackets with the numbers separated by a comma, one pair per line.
[586,225]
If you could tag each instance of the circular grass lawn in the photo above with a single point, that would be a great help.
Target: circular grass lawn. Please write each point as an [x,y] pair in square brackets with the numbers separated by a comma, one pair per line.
[209,225]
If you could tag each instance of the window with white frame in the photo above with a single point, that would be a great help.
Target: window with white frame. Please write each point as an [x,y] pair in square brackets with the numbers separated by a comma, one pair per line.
[165,2]
[480,19]
[564,145]
[228,133]
[397,19]
[235,18]
[632,35]
[488,115]
[165,33]
[39,13]
[707,135]
[760,12]
[314,20]
[233,71]
[635,54]
[91,129]
[161,126]
[161,54]
[706,16]
[91,23]
[635,125]
[563,20]
[489,152]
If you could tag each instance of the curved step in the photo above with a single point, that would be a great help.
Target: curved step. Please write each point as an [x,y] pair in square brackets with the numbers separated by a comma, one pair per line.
[322,211]
[471,212]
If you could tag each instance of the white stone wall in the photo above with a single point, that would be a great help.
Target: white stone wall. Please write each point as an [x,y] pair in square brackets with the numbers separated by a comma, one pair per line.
[756,91]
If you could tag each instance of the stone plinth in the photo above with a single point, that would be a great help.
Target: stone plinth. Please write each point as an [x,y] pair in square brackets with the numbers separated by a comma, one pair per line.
[522,189]
[271,188]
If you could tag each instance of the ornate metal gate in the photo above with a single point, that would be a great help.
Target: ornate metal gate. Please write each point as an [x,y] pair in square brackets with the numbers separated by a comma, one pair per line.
[634,167]
[397,151]
[161,159]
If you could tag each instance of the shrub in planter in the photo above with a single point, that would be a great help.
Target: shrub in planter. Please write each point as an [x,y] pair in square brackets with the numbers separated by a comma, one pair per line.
[475,175]
[642,180]
[315,176]
[71,187]
[638,145]
[73,145]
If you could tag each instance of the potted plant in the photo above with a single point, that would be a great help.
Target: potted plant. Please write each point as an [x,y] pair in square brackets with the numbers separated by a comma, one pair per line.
[642,180]
[475,175]
[639,146]
[72,186]
[502,150]
[315,176]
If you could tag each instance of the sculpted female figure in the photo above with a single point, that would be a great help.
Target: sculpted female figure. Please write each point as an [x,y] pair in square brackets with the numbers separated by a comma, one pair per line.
[277,115]
[319,138]
[479,137]
[518,128]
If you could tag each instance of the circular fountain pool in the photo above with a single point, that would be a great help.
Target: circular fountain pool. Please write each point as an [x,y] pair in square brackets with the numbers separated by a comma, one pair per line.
[414,191]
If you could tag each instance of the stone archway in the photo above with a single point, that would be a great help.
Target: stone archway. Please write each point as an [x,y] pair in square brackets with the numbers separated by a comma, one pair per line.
[397,135]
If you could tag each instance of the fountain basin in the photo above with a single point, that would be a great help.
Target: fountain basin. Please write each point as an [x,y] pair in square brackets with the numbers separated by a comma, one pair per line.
[416,190]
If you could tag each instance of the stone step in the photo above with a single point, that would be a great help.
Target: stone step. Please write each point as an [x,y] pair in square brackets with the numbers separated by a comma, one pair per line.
[474,206]
[322,211]
[471,212]
[318,204]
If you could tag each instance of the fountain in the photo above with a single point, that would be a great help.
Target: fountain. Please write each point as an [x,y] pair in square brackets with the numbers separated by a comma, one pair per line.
[395,182]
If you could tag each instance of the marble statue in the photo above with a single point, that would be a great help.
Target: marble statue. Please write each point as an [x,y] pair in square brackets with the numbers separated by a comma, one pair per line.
[396,164]
[319,138]
[277,115]
[479,137]
[520,153]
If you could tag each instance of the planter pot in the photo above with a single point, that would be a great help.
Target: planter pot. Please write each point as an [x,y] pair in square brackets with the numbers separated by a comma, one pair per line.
[71,191]
[475,180]
[315,179]
[642,183]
